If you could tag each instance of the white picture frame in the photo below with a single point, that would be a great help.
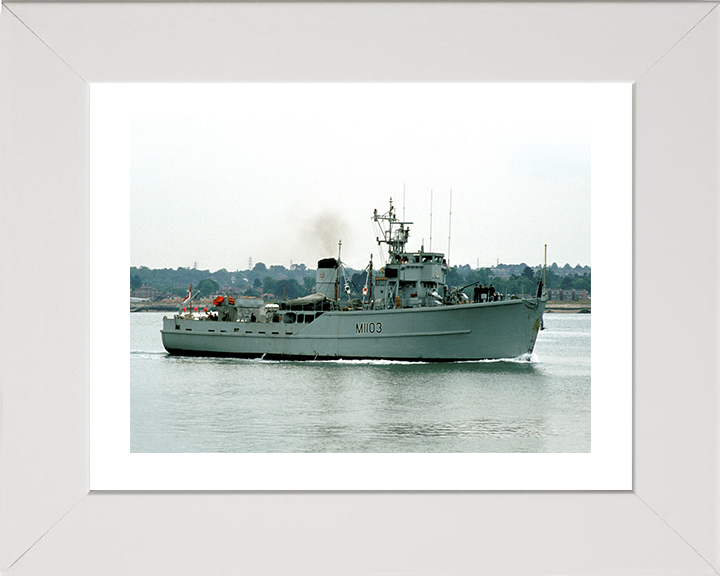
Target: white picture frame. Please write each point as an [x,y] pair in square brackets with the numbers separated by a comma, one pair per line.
[668,523]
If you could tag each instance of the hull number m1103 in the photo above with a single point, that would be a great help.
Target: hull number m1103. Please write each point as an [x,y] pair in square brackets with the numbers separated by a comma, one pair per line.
[368,327]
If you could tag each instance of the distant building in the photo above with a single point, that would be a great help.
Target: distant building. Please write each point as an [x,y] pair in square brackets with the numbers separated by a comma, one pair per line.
[580,295]
[568,295]
[554,294]
[146,291]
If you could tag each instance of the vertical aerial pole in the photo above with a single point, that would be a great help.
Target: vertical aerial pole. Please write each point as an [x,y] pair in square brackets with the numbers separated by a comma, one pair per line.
[545,269]
[430,220]
[403,201]
[449,227]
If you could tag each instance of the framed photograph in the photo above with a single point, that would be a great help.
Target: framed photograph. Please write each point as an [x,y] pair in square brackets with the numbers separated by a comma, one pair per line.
[60,512]
[530,148]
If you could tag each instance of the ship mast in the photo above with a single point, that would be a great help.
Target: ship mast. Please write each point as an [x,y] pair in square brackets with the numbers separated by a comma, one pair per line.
[396,234]
[370,278]
[368,288]
[337,274]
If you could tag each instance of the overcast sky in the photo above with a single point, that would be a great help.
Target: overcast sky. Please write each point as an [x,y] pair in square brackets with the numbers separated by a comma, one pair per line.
[283,185]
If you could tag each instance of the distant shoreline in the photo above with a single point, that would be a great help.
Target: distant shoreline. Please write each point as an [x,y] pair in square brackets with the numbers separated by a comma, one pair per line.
[553,306]
[153,308]
[563,307]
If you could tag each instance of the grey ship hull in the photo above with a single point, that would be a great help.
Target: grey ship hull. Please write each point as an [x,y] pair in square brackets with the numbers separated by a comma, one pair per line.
[492,330]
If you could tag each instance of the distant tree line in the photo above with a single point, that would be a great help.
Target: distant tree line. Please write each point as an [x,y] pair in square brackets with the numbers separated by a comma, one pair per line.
[293,282]
[524,283]
[298,280]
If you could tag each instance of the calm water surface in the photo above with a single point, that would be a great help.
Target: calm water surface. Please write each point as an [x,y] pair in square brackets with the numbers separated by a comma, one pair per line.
[189,404]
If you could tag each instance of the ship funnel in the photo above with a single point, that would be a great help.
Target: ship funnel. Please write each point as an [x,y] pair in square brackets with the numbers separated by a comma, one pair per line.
[326,279]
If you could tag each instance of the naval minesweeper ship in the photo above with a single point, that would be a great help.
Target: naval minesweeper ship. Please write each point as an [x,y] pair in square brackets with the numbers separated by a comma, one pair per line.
[407,312]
